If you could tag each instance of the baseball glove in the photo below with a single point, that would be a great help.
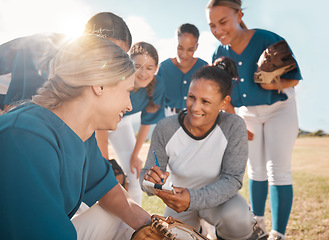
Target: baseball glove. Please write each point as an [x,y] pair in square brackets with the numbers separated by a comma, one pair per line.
[167,228]
[119,173]
[275,61]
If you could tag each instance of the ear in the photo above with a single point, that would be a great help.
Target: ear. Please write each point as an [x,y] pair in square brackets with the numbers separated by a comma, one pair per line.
[157,70]
[196,46]
[225,102]
[98,90]
[240,15]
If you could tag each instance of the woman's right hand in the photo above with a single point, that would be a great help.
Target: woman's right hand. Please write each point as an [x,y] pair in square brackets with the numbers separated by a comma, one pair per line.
[155,175]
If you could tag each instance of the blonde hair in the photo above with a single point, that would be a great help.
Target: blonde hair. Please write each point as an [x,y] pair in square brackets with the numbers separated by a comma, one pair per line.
[234,4]
[86,61]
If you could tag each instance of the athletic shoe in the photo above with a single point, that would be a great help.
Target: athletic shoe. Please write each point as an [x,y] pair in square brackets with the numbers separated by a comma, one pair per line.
[259,230]
[275,235]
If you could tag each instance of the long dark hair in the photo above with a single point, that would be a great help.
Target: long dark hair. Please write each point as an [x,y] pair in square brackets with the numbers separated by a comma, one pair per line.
[142,48]
[222,72]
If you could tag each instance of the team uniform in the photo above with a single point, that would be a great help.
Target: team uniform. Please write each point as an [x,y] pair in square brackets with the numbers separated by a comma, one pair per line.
[177,84]
[46,172]
[272,117]
[123,138]
[23,60]
[211,167]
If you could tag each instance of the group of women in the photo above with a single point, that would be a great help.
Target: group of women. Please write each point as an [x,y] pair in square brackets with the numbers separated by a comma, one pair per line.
[54,147]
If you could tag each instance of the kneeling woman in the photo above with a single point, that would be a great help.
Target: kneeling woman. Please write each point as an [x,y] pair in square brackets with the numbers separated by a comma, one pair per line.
[205,152]
[50,161]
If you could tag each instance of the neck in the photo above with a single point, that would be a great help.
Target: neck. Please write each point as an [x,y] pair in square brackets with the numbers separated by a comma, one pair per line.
[241,40]
[187,68]
[195,131]
[77,116]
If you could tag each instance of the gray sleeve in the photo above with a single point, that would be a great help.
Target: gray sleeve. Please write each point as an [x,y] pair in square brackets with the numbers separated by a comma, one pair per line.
[162,133]
[233,166]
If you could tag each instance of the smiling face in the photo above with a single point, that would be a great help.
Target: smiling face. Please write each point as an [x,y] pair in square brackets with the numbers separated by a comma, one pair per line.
[113,102]
[204,101]
[145,69]
[187,45]
[224,23]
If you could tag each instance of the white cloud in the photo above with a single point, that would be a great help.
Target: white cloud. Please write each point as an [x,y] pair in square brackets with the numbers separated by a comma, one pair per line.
[140,29]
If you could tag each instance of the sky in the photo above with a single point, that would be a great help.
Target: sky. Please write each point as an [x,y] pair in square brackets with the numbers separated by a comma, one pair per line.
[300,22]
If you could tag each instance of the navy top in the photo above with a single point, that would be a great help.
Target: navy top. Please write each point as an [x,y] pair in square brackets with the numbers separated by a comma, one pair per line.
[46,171]
[24,58]
[245,91]
[176,82]
[140,100]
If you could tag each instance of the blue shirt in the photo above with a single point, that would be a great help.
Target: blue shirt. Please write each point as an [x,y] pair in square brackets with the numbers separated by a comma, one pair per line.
[46,171]
[25,58]
[176,82]
[246,92]
[140,100]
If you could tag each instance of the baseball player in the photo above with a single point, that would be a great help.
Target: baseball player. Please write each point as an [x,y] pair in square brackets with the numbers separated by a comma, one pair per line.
[205,152]
[270,115]
[177,72]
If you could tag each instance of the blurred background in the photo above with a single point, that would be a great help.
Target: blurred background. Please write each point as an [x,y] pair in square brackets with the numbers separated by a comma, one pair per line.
[300,22]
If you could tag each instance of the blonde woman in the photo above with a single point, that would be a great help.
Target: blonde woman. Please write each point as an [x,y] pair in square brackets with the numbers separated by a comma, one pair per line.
[50,161]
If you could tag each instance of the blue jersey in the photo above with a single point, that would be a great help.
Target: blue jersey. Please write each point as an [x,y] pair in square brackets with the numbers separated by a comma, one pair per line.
[245,91]
[140,100]
[176,82]
[25,58]
[46,171]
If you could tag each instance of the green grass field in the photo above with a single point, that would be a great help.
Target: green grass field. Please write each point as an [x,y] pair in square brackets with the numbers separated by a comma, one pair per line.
[310,212]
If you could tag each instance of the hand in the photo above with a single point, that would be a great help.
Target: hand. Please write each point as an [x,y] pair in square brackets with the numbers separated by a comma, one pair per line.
[155,175]
[135,163]
[179,201]
[250,135]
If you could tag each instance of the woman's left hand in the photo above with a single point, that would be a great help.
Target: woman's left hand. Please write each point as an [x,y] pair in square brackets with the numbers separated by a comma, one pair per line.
[285,83]
[179,201]
[135,163]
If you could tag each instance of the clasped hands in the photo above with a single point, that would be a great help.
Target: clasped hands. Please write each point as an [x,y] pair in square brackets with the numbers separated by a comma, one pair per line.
[179,201]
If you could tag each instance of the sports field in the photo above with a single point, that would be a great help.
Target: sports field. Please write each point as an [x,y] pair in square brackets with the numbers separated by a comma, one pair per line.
[310,212]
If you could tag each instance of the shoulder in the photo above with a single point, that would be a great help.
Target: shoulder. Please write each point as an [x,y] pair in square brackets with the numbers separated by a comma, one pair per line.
[31,119]
[171,121]
[201,62]
[266,37]
[230,123]
[166,62]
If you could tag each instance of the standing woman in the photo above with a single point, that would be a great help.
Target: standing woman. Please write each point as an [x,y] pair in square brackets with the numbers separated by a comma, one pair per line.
[177,72]
[147,98]
[50,161]
[270,116]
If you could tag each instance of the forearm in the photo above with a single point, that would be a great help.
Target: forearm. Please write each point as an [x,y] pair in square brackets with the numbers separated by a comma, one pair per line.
[102,142]
[140,139]
[118,202]
[214,194]
[285,83]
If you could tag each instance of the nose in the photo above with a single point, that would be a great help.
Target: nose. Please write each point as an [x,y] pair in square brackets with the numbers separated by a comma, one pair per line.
[130,106]
[141,71]
[217,31]
[195,106]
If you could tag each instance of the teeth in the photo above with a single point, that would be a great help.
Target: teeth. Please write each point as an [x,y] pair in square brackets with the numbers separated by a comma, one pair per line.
[197,115]
[121,114]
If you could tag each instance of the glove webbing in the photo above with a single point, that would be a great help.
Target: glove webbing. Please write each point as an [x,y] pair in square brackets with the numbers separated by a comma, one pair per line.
[163,230]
